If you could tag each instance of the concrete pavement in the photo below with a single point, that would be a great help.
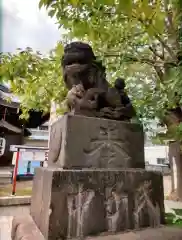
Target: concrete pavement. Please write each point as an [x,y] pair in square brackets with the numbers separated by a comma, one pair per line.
[5,227]
[173,204]
[6,216]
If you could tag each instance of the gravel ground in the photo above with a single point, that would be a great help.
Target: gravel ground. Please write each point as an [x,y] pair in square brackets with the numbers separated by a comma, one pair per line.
[22,188]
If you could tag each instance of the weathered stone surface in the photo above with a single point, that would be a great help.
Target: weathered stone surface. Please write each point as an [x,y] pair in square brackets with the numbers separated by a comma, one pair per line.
[161,233]
[28,231]
[77,141]
[75,203]
[24,228]
[32,232]
[15,200]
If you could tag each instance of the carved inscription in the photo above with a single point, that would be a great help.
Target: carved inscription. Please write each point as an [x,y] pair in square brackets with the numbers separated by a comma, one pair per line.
[107,148]
[86,213]
[146,213]
[117,209]
[104,201]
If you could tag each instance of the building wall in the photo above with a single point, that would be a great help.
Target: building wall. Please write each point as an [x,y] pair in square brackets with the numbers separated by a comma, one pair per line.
[11,139]
[39,137]
[35,143]
[154,153]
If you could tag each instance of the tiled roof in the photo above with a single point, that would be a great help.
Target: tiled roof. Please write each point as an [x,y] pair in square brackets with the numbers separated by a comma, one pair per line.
[4,88]
[5,94]
[35,119]
[9,126]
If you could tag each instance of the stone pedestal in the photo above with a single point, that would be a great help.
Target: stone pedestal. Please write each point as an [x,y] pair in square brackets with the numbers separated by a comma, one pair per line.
[95,181]
[77,203]
[85,142]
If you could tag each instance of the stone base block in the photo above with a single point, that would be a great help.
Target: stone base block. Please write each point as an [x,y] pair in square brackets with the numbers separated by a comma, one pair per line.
[160,233]
[77,203]
[78,141]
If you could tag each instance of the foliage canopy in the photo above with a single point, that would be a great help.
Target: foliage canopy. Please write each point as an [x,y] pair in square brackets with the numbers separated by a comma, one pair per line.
[137,39]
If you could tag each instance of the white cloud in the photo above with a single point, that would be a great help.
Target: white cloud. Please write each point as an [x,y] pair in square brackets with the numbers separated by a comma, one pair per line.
[24,25]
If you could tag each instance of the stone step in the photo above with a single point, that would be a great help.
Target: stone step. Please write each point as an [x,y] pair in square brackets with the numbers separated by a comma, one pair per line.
[15,200]
[5,177]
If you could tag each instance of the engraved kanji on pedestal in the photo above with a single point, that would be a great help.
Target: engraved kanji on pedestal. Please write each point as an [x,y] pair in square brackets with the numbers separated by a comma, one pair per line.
[106,147]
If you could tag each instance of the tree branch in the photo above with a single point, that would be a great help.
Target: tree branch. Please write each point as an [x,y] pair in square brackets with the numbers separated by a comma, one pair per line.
[154,51]
[170,51]
[169,23]
[159,73]
[157,69]
[135,59]
[172,32]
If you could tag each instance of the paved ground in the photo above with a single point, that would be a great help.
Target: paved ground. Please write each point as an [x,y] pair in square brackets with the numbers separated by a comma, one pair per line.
[167,185]
[5,227]
[170,205]
[6,215]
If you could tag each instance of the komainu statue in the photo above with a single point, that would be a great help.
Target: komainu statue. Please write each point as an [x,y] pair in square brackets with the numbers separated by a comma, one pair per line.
[89,92]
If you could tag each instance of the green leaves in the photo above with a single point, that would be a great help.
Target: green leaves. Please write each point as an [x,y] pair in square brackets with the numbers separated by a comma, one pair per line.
[46,3]
[52,12]
[137,40]
[125,6]
[35,79]
[174,218]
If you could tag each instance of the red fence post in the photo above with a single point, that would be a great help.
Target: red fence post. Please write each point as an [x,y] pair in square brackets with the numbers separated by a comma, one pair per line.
[15,172]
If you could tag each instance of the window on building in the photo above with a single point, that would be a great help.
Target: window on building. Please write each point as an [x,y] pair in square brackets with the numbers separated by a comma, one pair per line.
[45,128]
[2,146]
[161,161]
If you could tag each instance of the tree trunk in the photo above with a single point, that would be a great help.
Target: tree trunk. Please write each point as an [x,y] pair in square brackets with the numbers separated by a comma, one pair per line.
[175,158]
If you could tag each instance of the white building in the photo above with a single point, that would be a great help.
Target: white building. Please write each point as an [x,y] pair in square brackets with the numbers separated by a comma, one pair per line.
[39,137]
[156,155]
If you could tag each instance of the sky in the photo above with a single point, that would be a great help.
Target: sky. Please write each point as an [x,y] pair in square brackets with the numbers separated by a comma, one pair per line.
[24,25]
